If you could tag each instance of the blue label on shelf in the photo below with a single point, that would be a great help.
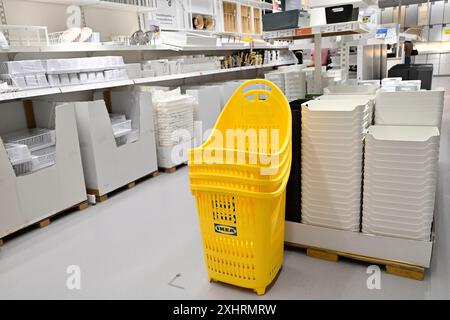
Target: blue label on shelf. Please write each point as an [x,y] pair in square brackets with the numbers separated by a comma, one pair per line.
[224,229]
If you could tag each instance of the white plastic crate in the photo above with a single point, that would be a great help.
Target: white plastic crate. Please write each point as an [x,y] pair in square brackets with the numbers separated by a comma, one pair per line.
[43,158]
[120,127]
[35,139]
[22,67]
[23,168]
[18,153]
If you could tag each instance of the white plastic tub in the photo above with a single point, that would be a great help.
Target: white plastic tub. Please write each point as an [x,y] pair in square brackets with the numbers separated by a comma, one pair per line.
[17,153]
[35,139]
[331,224]
[43,158]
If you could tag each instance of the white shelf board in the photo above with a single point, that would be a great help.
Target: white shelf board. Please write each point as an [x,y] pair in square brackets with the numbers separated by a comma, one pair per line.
[99,4]
[253,3]
[412,252]
[95,47]
[328,30]
[28,94]
[103,85]
[95,86]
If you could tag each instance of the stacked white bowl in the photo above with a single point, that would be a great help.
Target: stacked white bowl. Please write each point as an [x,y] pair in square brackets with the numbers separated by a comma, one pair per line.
[416,108]
[400,177]
[333,132]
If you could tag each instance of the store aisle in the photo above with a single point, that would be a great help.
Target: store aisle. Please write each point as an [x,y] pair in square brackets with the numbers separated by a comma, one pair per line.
[136,243]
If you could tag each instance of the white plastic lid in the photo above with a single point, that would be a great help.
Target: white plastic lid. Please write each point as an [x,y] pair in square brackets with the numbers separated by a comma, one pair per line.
[403,133]
[334,105]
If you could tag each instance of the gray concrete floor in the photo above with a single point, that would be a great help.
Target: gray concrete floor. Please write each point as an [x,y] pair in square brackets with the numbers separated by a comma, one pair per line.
[134,244]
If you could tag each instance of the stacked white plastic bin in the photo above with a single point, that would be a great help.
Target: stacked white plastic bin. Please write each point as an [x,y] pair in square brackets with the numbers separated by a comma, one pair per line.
[410,108]
[333,132]
[173,115]
[291,80]
[206,110]
[400,177]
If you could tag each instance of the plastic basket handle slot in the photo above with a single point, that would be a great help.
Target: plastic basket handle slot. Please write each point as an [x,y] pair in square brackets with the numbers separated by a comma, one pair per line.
[261,94]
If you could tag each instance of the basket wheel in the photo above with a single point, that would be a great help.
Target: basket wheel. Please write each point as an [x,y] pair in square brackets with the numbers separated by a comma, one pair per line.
[260,291]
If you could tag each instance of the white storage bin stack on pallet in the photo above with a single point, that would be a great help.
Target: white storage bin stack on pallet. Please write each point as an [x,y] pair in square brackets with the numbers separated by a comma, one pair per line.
[332,157]
[26,74]
[34,197]
[400,178]
[290,80]
[421,108]
[207,110]
[31,149]
[174,127]
[107,165]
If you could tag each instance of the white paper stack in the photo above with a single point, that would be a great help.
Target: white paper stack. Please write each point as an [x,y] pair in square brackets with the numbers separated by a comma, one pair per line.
[333,132]
[400,177]
[420,108]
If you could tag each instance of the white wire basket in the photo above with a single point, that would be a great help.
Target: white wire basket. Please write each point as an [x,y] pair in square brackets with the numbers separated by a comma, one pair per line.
[20,35]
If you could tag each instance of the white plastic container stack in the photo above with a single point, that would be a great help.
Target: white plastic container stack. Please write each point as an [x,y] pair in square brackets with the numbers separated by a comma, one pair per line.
[332,156]
[420,108]
[400,177]
[28,149]
[25,74]
[389,84]
[174,125]
[277,77]
[121,128]
[291,80]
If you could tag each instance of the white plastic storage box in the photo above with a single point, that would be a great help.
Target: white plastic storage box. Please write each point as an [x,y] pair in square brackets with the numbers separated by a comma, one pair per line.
[33,197]
[410,108]
[107,166]
[206,111]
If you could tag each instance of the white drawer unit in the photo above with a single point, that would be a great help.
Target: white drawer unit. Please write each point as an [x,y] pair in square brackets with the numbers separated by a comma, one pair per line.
[402,16]
[444,64]
[420,59]
[446,11]
[435,33]
[425,33]
[423,14]
[434,60]
[437,12]
[386,15]
[411,15]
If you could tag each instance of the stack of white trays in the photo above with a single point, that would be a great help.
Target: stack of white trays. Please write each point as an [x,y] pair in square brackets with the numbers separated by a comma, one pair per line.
[400,177]
[333,132]
[410,108]
[277,77]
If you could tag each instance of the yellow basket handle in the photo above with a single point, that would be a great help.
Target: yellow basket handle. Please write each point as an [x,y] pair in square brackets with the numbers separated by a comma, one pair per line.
[257,92]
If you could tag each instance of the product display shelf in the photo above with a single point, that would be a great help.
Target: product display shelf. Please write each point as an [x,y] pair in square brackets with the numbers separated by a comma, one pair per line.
[328,30]
[103,85]
[402,257]
[96,47]
[102,4]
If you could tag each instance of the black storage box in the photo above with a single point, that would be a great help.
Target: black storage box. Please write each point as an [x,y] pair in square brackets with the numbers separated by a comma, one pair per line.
[280,20]
[338,14]
[423,72]
[293,189]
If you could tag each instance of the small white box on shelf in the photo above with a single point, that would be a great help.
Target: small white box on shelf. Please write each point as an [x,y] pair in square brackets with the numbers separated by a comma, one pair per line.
[36,196]
[108,167]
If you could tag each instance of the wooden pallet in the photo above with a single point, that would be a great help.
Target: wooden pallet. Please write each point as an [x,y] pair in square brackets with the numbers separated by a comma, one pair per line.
[392,267]
[173,169]
[104,197]
[45,222]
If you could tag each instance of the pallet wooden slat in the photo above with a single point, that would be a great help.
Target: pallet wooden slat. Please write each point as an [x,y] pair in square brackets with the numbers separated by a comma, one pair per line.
[392,267]
[130,185]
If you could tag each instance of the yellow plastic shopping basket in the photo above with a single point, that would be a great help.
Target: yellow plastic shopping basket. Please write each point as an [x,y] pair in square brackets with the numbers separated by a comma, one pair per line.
[241,211]
[243,234]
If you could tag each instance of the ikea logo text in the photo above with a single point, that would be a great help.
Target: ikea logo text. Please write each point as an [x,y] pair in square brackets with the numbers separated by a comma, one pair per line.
[223,229]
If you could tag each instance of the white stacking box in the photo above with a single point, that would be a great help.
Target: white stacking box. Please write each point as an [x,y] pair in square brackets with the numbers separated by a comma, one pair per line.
[36,196]
[174,126]
[107,166]
[332,157]
[207,109]
[291,80]
[410,108]
[400,178]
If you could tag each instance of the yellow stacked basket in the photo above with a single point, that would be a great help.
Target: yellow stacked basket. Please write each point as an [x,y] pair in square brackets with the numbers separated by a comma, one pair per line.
[239,183]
